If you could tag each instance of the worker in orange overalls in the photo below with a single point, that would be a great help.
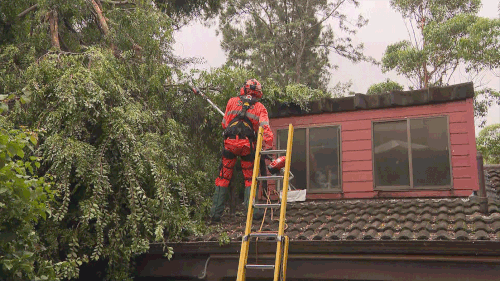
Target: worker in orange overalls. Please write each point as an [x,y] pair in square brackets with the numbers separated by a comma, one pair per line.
[244,114]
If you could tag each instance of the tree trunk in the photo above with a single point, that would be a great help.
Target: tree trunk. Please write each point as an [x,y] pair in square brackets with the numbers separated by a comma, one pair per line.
[53,27]
[302,45]
[426,75]
[426,72]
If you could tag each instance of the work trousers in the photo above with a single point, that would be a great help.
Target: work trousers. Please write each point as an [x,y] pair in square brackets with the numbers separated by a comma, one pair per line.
[234,147]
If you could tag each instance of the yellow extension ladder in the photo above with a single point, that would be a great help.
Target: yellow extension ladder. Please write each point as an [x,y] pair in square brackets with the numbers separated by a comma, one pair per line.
[282,241]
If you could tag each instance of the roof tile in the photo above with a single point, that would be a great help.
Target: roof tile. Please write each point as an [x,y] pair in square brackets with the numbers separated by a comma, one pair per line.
[370,234]
[374,225]
[495,226]
[336,235]
[481,235]
[443,235]
[459,216]
[426,217]
[423,225]
[479,225]
[387,234]
[380,216]
[366,217]
[423,235]
[353,234]
[405,234]
[458,209]
[461,235]
[442,217]
[442,225]
[411,217]
[408,225]
[459,225]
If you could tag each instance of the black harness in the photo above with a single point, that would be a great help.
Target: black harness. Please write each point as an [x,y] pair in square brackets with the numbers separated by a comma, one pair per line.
[241,125]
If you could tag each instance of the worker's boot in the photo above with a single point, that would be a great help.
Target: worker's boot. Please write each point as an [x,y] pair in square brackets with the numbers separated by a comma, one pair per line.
[218,203]
[257,213]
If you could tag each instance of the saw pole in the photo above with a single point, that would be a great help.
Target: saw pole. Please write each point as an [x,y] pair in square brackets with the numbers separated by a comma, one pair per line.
[197,92]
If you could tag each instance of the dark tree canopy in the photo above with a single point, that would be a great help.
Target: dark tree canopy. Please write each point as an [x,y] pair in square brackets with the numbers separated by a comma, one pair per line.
[289,41]
[182,11]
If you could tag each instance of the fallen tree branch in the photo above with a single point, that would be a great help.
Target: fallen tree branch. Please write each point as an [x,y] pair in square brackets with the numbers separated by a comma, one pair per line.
[27,11]
[22,14]
[118,3]
[101,21]
[100,17]
[188,87]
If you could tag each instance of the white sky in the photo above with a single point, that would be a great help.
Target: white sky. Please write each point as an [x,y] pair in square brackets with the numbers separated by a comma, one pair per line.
[385,27]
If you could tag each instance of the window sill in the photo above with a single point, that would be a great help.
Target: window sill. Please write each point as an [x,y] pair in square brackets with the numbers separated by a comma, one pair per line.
[406,188]
[320,191]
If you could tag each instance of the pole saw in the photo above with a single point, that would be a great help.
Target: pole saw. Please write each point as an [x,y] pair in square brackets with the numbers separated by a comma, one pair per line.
[196,91]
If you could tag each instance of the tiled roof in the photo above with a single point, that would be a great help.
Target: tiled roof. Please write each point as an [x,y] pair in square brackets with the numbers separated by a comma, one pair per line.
[492,177]
[377,219]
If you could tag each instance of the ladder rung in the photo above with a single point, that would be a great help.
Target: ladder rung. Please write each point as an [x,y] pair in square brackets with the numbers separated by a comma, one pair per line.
[260,266]
[264,234]
[262,206]
[272,151]
[265,178]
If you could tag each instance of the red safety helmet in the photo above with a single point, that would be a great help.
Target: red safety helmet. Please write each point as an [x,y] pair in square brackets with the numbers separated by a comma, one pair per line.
[252,87]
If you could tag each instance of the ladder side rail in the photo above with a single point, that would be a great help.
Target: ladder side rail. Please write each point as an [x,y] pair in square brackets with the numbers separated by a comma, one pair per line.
[283,201]
[285,258]
[248,228]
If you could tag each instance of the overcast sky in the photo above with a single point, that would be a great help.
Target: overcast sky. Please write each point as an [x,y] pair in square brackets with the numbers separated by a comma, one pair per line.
[385,27]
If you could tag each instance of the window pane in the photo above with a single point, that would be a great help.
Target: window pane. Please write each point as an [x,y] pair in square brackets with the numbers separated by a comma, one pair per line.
[298,165]
[324,158]
[390,148]
[430,152]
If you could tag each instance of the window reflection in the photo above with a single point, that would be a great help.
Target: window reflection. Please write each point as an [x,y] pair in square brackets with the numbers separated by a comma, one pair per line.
[390,148]
[298,165]
[430,153]
[324,149]
[323,158]
[428,150]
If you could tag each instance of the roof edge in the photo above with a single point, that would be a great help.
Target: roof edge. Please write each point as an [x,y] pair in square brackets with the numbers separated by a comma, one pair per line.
[471,247]
[430,95]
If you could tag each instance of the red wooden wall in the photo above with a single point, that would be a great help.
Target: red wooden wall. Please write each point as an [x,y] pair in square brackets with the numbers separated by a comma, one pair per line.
[357,174]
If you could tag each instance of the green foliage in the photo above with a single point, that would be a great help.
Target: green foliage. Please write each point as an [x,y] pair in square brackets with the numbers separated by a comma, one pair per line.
[129,161]
[445,36]
[223,239]
[435,10]
[483,100]
[488,143]
[125,170]
[384,87]
[289,41]
[481,48]
[24,201]
[225,82]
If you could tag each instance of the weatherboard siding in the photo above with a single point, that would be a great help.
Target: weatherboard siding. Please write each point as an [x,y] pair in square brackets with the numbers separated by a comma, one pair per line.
[356,147]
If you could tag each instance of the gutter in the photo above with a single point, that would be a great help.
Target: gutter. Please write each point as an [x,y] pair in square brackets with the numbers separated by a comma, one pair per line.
[371,257]
[474,249]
